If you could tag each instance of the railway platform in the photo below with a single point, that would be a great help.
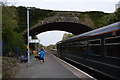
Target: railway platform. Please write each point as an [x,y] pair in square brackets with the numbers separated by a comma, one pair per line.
[53,67]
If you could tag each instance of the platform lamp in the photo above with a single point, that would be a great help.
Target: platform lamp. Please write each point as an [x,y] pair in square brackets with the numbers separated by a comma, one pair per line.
[28,51]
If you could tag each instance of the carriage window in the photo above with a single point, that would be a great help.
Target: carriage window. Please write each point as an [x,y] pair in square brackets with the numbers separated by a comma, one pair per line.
[95,47]
[113,40]
[94,42]
[62,45]
[83,43]
[67,45]
[70,44]
[113,46]
[113,50]
[75,43]
[95,50]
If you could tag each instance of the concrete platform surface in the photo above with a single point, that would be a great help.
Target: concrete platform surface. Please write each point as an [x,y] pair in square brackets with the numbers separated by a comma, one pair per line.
[50,69]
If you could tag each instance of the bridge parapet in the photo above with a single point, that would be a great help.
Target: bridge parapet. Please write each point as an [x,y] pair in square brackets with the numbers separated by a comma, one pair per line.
[62,17]
[53,19]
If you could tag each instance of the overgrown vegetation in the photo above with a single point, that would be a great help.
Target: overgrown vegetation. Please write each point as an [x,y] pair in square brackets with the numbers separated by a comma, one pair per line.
[110,18]
[97,19]
[35,16]
[67,35]
[11,38]
[50,47]
[14,22]
[117,13]
[91,18]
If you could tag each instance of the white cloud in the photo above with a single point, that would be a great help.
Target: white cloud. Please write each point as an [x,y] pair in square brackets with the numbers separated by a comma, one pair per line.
[78,1]
[69,5]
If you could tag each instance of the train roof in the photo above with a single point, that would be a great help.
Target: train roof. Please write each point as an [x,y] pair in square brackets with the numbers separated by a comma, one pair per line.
[101,30]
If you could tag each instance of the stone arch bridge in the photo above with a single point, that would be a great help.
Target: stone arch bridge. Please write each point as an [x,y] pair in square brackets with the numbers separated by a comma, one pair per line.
[63,22]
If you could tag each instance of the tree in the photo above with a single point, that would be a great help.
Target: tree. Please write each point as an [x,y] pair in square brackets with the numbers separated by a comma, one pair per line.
[36,15]
[50,47]
[67,35]
[117,12]
[108,19]
[11,38]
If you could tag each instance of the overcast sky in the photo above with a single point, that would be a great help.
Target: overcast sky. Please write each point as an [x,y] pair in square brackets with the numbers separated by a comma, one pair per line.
[50,37]
[65,5]
[69,5]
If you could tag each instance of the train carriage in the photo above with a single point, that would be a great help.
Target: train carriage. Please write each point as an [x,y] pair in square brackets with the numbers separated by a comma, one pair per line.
[98,49]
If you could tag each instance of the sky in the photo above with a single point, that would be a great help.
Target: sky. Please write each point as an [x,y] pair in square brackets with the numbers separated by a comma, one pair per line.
[69,5]
[49,37]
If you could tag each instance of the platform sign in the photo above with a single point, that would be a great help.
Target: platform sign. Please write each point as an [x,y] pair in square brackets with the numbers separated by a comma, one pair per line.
[34,41]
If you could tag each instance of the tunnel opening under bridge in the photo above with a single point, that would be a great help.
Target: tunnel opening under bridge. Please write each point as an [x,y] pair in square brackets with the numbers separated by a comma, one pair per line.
[74,28]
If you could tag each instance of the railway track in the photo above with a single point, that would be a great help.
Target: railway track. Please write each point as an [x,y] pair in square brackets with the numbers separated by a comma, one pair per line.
[96,74]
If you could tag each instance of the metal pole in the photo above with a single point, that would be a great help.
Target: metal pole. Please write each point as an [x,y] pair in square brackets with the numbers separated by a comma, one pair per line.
[17,53]
[28,36]
[36,43]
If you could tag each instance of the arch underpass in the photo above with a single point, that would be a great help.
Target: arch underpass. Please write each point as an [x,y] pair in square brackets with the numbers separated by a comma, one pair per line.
[61,22]
[74,28]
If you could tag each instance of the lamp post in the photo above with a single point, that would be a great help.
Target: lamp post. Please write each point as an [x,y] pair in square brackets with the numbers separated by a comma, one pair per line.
[36,43]
[28,36]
